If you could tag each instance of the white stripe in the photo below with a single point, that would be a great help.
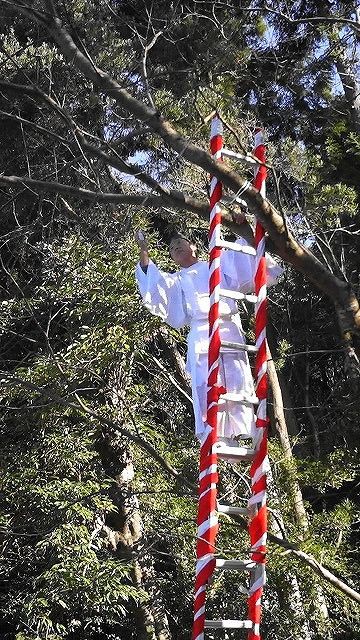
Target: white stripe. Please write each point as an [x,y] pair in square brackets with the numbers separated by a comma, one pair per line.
[212,368]
[200,637]
[211,469]
[256,629]
[261,337]
[216,209]
[200,590]
[261,372]
[259,543]
[261,470]
[258,138]
[215,238]
[261,295]
[261,411]
[260,582]
[202,562]
[211,488]
[214,181]
[199,612]
[216,127]
[257,498]
[215,296]
[214,264]
[206,525]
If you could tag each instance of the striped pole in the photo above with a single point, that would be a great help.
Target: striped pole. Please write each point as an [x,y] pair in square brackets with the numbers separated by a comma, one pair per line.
[208,477]
[260,465]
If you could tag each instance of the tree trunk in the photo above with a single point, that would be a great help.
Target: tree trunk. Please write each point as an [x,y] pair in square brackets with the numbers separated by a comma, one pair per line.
[319,603]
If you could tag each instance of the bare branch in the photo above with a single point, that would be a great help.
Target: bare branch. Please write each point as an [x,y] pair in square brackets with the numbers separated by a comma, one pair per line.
[308,20]
[175,198]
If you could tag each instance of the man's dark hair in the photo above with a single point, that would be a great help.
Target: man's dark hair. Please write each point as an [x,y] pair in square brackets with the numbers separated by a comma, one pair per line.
[172,233]
[176,235]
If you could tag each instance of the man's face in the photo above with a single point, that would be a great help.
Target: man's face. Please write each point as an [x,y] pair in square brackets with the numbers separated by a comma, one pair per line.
[182,252]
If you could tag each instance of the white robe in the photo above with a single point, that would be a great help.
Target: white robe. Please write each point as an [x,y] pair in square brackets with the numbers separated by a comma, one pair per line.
[182,299]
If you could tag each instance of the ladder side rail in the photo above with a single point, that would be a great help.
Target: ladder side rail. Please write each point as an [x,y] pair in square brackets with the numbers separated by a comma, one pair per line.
[208,477]
[260,465]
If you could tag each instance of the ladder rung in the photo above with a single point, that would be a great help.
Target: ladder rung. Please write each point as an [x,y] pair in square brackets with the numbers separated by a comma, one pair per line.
[228,624]
[225,244]
[237,295]
[241,565]
[246,400]
[234,453]
[227,153]
[237,346]
[232,511]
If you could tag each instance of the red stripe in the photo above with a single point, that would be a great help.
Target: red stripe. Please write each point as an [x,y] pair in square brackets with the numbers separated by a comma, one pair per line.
[260,275]
[260,455]
[260,485]
[215,252]
[258,525]
[214,222]
[204,575]
[216,144]
[262,387]
[205,483]
[259,233]
[216,195]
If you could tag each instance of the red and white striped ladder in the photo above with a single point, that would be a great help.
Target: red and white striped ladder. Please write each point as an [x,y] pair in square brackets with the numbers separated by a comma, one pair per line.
[208,509]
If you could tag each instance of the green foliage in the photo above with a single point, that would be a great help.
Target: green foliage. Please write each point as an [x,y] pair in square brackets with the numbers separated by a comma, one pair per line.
[82,394]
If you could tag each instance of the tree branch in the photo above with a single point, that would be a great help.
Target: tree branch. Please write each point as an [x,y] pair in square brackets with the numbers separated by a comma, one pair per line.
[286,246]
[176,199]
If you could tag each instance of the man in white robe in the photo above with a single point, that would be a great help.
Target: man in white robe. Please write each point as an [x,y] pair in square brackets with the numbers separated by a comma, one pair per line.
[182,299]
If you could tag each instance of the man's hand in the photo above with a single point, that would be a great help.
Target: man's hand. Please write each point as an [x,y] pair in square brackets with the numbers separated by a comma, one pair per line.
[142,243]
[141,240]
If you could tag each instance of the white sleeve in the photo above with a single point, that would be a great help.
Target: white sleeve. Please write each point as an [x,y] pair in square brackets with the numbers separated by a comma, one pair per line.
[239,269]
[162,295]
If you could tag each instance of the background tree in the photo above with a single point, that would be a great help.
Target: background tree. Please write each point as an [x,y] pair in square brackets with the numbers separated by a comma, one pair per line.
[99,459]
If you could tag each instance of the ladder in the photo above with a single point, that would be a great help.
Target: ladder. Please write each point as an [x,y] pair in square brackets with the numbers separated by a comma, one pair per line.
[209,506]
